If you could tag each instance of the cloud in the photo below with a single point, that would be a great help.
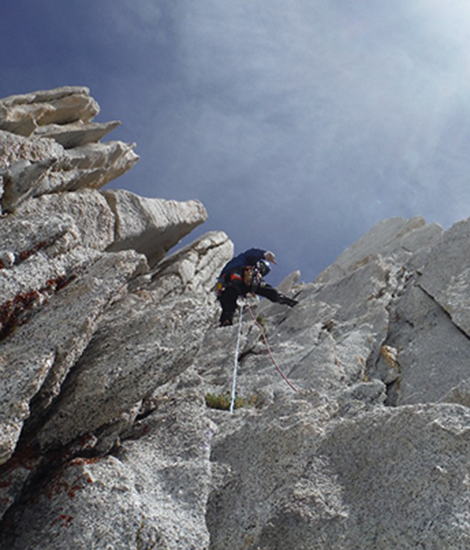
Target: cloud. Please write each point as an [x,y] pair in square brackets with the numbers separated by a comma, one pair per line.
[298,124]
[141,20]
[305,125]
[349,118]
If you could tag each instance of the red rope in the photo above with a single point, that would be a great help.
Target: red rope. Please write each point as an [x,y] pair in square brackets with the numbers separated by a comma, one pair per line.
[263,333]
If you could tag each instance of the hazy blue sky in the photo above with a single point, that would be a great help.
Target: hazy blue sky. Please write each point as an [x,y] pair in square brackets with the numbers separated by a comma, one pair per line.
[299,124]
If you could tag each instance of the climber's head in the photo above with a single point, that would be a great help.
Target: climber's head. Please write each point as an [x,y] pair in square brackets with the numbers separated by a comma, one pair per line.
[269,256]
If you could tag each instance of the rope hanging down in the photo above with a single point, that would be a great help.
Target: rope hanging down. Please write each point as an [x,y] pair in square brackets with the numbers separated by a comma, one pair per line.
[235,365]
[263,333]
[237,352]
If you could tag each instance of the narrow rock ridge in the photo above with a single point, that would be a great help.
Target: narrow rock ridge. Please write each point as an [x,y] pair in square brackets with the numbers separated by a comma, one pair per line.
[114,374]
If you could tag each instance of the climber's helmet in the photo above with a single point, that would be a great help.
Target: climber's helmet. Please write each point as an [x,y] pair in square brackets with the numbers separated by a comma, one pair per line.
[269,256]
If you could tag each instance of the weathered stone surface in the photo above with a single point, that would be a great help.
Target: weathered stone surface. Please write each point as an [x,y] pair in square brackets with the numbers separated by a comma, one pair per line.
[14,149]
[89,212]
[299,478]
[415,456]
[446,276]
[62,154]
[38,356]
[192,268]
[90,166]
[432,351]
[395,237]
[77,133]
[460,394]
[152,226]
[21,179]
[167,331]
[110,367]
[44,244]
[151,494]
[22,114]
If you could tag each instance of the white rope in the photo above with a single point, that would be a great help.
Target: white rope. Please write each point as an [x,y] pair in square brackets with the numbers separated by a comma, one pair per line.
[235,363]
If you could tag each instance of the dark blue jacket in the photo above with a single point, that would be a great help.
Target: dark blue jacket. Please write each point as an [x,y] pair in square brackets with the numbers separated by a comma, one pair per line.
[249,257]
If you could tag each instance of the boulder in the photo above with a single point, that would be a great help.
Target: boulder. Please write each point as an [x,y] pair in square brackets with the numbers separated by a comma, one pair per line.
[152,226]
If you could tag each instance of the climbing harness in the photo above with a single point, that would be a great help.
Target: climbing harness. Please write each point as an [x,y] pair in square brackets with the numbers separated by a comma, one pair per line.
[237,352]
[248,274]
[235,365]
[230,279]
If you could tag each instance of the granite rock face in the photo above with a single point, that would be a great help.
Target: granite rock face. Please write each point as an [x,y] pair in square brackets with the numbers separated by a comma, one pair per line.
[114,374]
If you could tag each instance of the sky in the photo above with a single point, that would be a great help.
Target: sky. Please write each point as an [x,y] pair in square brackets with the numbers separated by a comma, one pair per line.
[298,124]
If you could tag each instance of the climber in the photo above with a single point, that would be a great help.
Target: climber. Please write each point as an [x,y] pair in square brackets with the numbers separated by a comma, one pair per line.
[243,275]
